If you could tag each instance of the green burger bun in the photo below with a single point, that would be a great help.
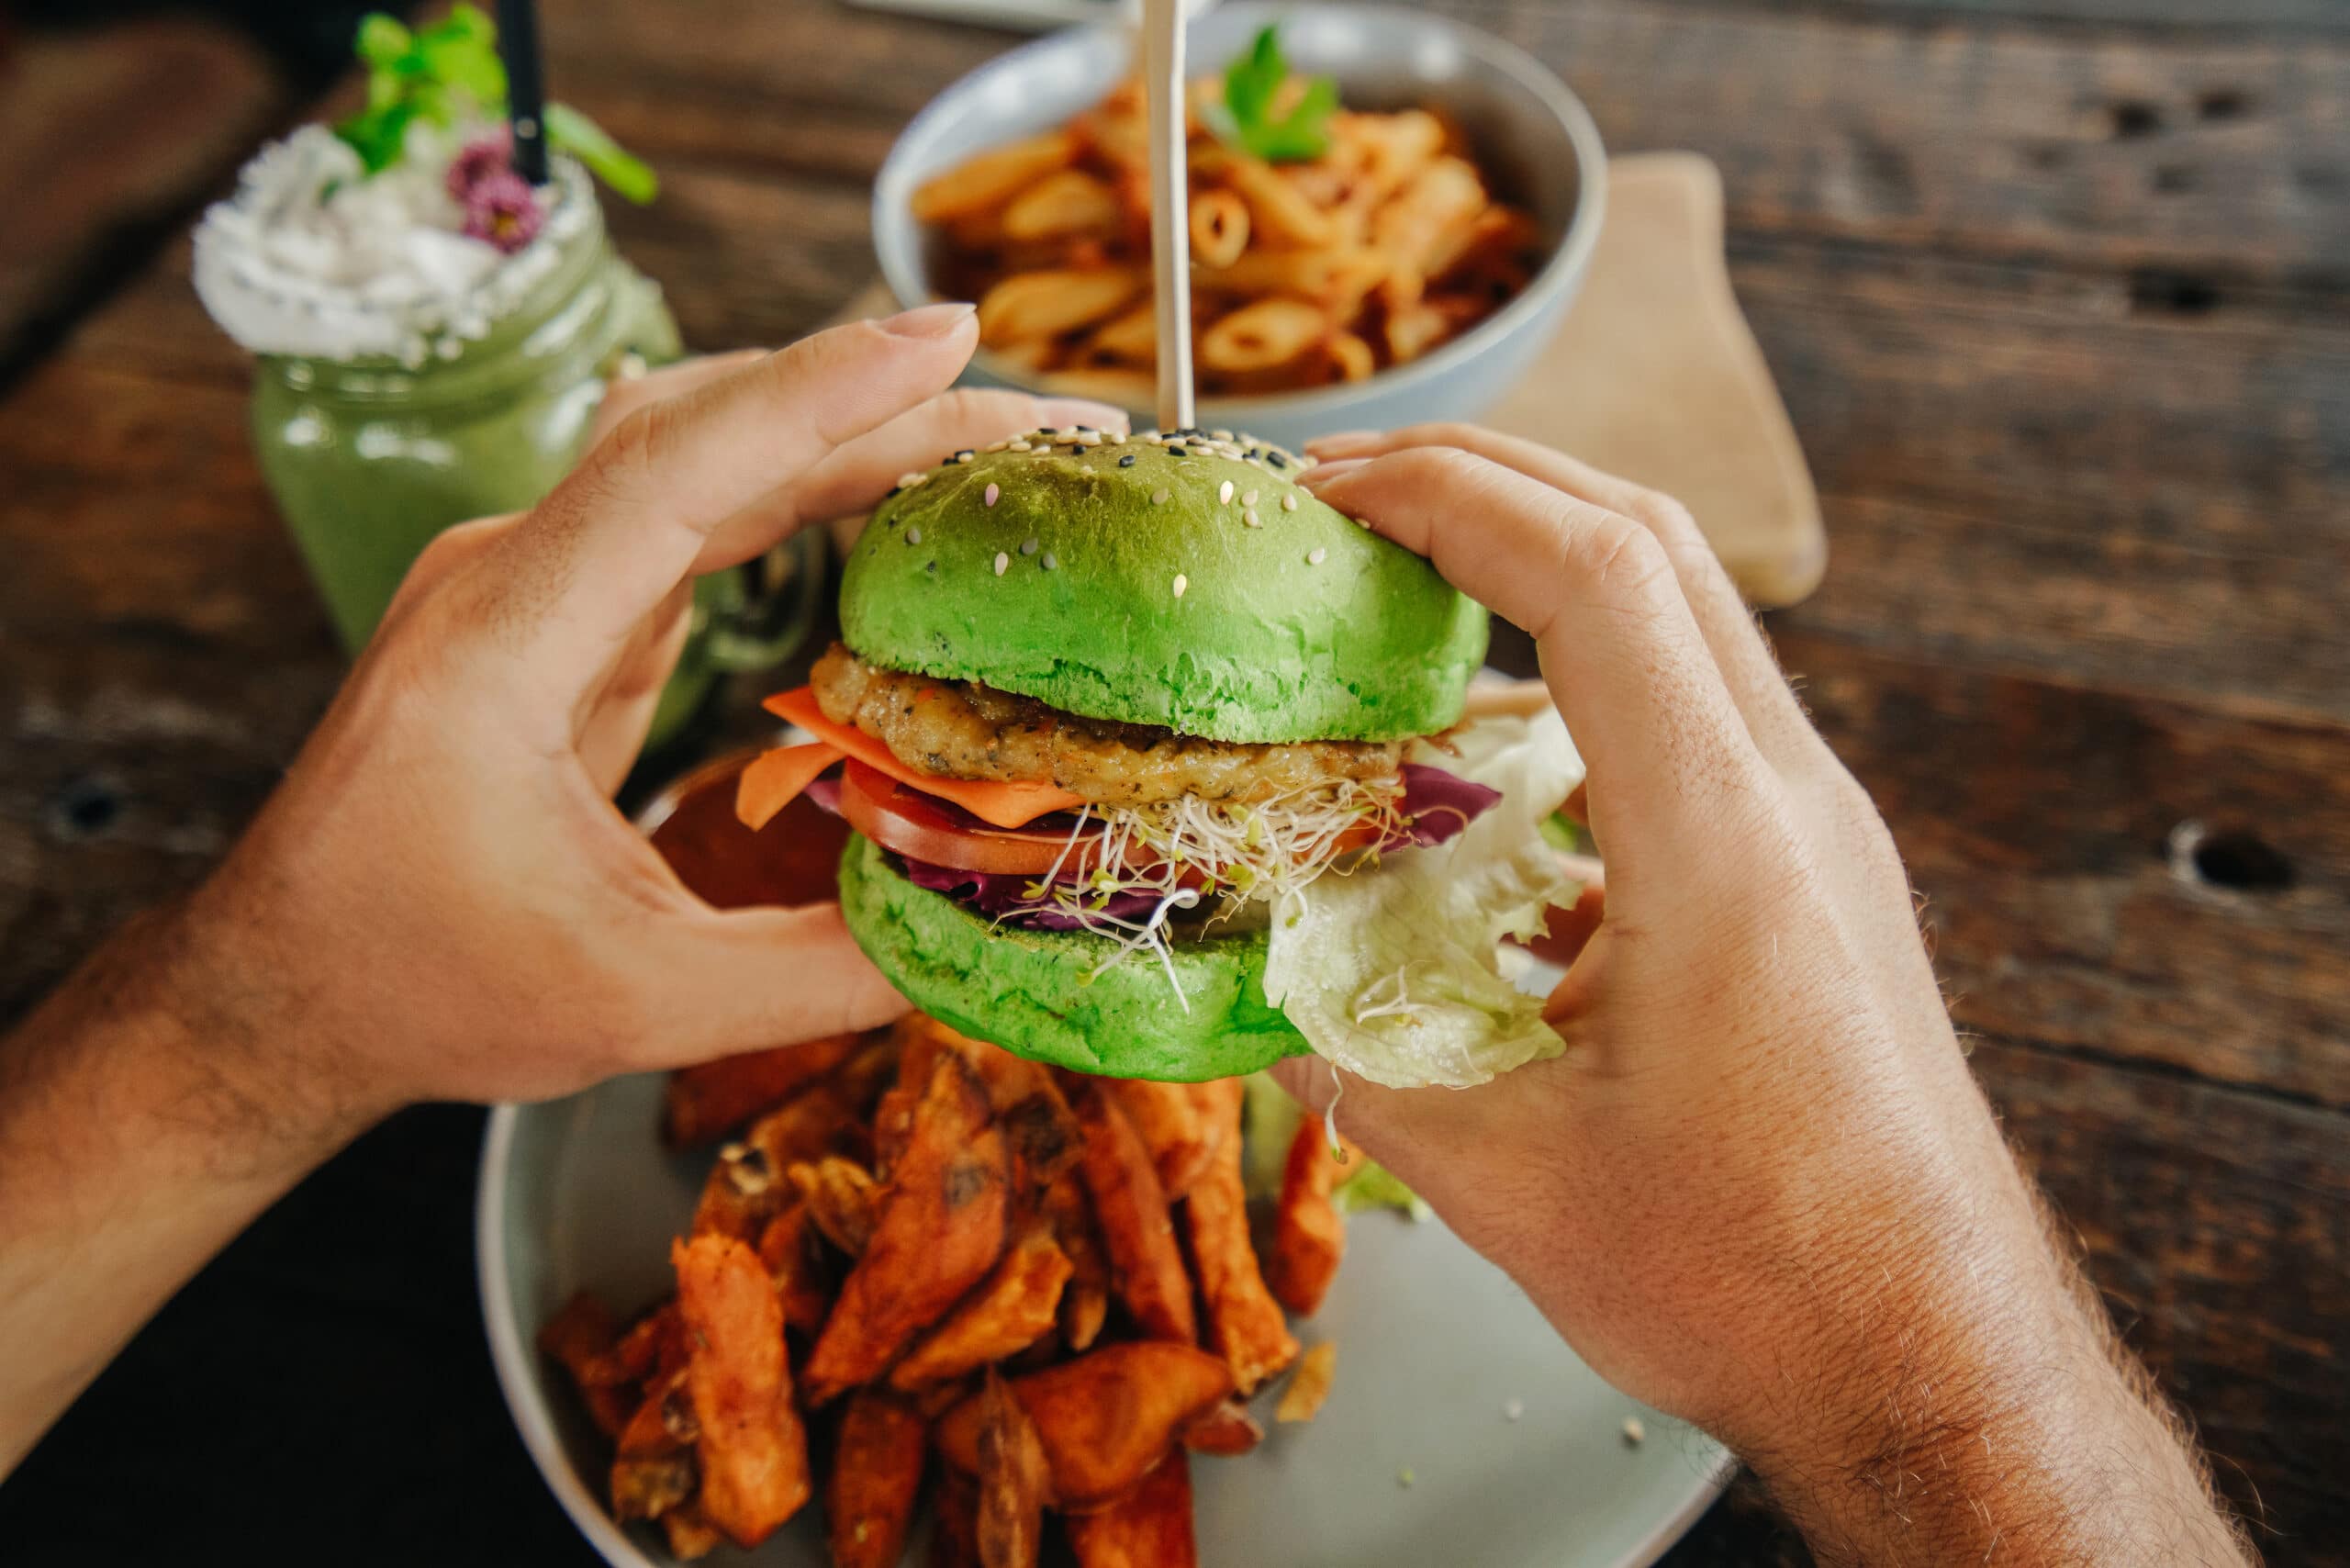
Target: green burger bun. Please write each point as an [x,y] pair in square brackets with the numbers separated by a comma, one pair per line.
[1036,994]
[1185,581]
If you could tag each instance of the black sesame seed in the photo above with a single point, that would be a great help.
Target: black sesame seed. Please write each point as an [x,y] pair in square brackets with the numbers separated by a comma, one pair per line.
[1276,459]
[1250,456]
[891,491]
[1089,430]
[931,566]
[1127,461]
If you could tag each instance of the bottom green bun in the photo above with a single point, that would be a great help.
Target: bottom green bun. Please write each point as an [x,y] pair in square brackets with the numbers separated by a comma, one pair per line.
[1035,994]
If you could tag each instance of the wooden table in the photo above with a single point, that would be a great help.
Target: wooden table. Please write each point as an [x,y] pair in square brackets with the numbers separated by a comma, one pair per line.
[2056,292]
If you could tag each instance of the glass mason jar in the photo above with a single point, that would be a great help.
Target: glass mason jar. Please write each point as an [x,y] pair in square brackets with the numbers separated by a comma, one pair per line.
[369,458]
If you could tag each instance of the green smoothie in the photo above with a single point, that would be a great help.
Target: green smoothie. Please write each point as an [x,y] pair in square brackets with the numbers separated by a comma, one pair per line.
[433,334]
[369,459]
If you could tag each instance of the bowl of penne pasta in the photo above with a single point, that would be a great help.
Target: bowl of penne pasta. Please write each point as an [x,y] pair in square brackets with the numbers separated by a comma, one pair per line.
[1389,212]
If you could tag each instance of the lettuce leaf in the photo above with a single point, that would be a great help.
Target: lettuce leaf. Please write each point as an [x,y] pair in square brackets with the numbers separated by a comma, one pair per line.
[1392,973]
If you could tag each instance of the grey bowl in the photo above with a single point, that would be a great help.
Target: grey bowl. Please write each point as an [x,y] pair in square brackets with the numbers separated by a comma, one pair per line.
[1533,133]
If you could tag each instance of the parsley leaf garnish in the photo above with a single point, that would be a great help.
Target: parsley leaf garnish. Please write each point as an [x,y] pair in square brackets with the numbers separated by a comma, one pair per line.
[1252,83]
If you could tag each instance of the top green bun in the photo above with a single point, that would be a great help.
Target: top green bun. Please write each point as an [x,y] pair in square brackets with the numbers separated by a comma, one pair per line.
[1123,580]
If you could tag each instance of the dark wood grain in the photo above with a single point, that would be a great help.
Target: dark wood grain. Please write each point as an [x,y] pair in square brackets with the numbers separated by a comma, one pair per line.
[2195,162]
[2055,293]
[106,138]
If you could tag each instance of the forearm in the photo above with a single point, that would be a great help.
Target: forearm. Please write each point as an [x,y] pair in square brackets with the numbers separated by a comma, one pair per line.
[1993,1417]
[143,1123]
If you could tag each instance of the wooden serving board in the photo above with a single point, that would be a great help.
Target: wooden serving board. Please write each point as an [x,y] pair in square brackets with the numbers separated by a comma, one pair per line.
[1655,376]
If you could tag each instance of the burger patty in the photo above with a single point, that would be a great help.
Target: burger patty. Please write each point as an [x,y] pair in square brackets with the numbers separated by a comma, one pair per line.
[963,730]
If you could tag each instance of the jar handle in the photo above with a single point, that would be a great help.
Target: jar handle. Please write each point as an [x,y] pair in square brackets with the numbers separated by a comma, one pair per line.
[777,606]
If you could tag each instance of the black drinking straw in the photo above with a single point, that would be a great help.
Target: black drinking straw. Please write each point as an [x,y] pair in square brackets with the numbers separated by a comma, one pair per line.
[526,95]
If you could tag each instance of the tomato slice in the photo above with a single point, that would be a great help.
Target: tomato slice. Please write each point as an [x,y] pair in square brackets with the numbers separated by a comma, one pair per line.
[920,827]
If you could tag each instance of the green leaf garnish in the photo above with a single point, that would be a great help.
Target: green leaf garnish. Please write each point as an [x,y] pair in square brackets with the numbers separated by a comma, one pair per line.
[1252,83]
[448,68]
[451,70]
[630,176]
[382,40]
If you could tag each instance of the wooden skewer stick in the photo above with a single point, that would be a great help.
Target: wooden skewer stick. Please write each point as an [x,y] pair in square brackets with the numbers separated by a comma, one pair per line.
[1171,207]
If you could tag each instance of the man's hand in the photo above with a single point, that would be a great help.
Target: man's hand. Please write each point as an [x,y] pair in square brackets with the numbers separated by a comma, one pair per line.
[1760,1189]
[441,902]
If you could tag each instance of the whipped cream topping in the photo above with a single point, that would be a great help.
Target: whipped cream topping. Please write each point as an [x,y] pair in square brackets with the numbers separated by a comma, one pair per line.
[315,259]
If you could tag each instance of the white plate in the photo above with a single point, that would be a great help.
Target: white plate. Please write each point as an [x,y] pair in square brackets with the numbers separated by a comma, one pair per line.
[1434,1348]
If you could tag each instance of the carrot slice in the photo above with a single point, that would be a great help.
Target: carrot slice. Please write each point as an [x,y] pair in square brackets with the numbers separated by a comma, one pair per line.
[990,801]
[774,779]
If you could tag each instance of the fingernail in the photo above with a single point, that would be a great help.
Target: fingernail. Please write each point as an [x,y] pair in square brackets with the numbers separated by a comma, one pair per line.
[1322,472]
[1340,443]
[928,321]
[1082,411]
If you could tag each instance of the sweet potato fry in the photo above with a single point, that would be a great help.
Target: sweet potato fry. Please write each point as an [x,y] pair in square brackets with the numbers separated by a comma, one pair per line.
[1085,1300]
[1044,1137]
[1166,1119]
[751,1450]
[653,1470]
[1104,1419]
[1225,1429]
[1010,1310]
[876,1481]
[938,1228]
[1015,1480]
[691,1533]
[954,1523]
[808,1126]
[1244,1322]
[1218,1102]
[920,1039]
[860,1079]
[1010,1078]
[645,1486]
[839,1196]
[1309,1234]
[1310,1385]
[940,1398]
[653,1346]
[1150,1526]
[738,1195]
[580,1338]
[787,1247]
[1130,1205]
[709,1101]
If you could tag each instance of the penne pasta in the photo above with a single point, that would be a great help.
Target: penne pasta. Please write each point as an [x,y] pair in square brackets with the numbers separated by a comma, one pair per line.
[1415,330]
[1276,207]
[1431,214]
[1047,304]
[1219,228]
[1323,269]
[1350,357]
[1129,339]
[1257,337]
[993,178]
[1063,204]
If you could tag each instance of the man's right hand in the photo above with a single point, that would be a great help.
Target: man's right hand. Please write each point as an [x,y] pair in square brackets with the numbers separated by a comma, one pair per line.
[1760,1189]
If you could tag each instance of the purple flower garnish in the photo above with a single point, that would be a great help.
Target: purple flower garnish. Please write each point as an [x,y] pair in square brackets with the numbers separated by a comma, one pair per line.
[478,159]
[502,209]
